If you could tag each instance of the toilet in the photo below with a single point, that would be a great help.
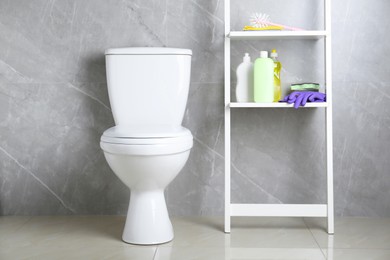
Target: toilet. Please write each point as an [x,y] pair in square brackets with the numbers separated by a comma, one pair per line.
[147,147]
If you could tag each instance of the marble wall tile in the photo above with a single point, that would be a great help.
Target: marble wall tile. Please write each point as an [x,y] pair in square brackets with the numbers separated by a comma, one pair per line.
[54,106]
[305,14]
[200,185]
[284,158]
[359,40]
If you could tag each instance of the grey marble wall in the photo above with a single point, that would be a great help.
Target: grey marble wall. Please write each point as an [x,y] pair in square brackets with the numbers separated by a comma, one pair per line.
[54,106]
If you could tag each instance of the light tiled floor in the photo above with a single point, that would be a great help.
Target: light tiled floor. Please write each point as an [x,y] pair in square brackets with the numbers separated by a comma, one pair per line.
[99,237]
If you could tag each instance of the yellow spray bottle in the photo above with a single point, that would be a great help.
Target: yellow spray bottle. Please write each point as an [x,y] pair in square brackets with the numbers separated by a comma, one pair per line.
[277,82]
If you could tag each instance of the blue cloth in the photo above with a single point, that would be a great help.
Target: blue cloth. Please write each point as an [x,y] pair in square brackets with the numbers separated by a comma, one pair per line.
[300,98]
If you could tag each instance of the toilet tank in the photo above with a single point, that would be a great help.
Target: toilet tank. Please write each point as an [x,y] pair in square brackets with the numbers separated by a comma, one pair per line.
[148,86]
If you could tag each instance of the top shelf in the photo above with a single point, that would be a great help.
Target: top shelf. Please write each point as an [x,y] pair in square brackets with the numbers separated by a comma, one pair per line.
[276,35]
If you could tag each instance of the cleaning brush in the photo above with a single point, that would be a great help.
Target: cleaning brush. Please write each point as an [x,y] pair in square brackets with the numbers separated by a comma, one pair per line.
[260,20]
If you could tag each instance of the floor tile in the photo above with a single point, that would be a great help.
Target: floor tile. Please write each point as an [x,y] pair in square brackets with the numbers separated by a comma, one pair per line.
[13,221]
[271,233]
[198,232]
[66,253]
[371,233]
[216,253]
[10,224]
[357,254]
[99,237]
[189,253]
[245,232]
[275,253]
[70,231]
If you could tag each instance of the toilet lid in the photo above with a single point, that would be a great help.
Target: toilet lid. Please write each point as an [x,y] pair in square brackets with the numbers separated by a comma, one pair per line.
[146,135]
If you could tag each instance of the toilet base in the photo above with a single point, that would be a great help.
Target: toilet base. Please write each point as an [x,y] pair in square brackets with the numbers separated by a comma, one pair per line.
[147,221]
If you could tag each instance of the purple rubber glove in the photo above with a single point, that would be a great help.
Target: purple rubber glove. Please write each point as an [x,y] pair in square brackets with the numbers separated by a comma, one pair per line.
[317,97]
[300,98]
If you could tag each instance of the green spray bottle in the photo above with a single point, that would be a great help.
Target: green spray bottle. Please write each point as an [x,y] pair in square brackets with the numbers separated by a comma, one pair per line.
[264,79]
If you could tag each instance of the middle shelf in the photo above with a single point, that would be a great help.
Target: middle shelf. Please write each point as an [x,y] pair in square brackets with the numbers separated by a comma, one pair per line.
[275,105]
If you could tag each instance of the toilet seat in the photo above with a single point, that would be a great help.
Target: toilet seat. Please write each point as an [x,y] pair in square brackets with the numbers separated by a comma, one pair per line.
[144,134]
[146,140]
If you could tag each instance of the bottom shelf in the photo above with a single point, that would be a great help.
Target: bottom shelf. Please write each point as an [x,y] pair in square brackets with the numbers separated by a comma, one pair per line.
[279,210]
[275,105]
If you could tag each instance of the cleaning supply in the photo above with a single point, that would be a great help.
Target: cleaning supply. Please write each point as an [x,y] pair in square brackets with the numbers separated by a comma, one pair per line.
[305,87]
[264,78]
[277,82]
[260,20]
[299,98]
[244,88]
[265,28]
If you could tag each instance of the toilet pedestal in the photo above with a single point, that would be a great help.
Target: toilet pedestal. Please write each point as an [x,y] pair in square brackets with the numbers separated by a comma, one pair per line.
[147,221]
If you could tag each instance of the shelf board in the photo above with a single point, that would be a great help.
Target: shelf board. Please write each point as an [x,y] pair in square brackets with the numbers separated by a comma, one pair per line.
[276,35]
[274,105]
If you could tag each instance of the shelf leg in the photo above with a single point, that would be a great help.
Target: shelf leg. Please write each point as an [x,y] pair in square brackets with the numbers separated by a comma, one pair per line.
[329,169]
[227,117]
[329,119]
[227,170]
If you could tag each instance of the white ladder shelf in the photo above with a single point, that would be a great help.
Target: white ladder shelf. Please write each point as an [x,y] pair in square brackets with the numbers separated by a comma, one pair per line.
[280,210]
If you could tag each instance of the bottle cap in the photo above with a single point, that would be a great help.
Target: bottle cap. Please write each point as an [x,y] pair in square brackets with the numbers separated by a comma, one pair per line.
[247,58]
[264,54]
[274,54]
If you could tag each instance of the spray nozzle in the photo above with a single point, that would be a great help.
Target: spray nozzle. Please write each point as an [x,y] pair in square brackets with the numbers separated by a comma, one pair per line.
[274,54]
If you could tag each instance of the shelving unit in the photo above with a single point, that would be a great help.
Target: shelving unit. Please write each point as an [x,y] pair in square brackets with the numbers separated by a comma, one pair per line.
[280,210]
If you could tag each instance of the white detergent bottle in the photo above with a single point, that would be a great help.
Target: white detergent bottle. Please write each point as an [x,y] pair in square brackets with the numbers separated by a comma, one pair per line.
[244,88]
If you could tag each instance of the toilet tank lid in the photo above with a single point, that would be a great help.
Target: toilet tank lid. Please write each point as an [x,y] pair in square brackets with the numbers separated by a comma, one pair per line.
[148,51]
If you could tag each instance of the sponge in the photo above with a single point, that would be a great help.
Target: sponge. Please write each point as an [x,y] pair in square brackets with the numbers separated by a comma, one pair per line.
[305,87]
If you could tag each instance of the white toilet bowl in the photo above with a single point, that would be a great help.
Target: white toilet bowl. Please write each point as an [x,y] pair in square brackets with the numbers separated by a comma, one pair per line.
[146,160]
